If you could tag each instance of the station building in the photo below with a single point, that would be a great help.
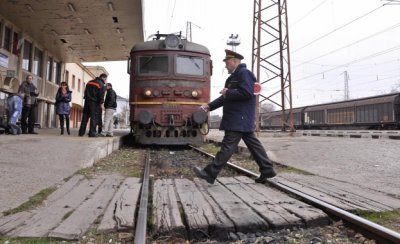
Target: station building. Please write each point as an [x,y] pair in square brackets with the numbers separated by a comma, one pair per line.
[22,55]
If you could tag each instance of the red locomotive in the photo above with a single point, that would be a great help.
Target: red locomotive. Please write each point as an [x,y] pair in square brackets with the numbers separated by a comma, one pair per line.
[169,81]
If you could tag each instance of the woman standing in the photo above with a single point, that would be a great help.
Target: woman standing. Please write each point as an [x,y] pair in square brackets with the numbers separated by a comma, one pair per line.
[63,98]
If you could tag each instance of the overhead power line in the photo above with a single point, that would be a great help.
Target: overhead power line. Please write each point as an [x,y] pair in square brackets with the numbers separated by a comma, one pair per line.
[349,45]
[307,14]
[336,29]
[354,61]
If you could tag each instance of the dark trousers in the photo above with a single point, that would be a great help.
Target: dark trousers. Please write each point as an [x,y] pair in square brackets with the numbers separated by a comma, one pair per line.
[228,147]
[63,117]
[100,121]
[28,113]
[90,111]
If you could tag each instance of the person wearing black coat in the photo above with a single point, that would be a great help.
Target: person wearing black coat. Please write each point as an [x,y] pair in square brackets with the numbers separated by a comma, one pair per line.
[30,93]
[63,108]
[238,120]
[94,98]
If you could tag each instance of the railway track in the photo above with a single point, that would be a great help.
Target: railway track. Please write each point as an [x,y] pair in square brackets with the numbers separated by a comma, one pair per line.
[165,203]
[377,232]
[374,231]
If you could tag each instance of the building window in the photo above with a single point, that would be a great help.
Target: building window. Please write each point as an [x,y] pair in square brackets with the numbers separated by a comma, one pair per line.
[73,82]
[38,62]
[79,85]
[7,39]
[57,72]
[16,44]
[50,69]
[26,60]
[67,77]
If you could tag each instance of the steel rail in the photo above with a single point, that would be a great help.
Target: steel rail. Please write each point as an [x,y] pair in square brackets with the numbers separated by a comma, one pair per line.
[140,232]
[380,233]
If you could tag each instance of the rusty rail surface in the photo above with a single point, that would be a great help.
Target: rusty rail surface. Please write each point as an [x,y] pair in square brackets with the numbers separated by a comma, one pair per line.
[377,232]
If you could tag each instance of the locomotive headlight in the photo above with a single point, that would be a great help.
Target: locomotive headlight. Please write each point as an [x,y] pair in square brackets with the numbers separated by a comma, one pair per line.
[196,93]
[171,41]
[147,93]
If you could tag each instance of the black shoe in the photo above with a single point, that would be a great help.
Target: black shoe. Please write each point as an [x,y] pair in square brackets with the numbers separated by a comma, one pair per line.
[262,179]
[32,132]
[90,135]
[203,175]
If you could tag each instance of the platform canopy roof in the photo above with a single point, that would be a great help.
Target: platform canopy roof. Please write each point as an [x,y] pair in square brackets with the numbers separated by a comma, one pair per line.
[79,30]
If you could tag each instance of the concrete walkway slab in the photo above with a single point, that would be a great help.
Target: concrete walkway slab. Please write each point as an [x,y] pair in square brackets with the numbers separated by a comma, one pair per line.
[30,163]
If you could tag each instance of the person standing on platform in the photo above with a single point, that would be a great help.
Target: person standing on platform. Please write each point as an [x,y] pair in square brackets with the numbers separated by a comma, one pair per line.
[94,98]
[101,109]
[238,121]
[110,105]
[14,108]
[29,91]
[63,98]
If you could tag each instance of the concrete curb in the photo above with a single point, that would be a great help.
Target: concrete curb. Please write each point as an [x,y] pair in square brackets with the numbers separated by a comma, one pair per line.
[395,135]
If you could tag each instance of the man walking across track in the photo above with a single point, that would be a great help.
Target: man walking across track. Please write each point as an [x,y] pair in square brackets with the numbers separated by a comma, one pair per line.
[238,121]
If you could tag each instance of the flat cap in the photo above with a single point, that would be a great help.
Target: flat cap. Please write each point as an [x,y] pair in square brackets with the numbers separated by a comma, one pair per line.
[231,54]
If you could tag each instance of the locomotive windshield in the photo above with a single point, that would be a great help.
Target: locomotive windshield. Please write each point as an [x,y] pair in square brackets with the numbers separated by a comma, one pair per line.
[153,65]
[188,65]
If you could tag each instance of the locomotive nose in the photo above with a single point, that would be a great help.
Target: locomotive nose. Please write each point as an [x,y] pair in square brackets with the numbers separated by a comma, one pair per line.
[199,117]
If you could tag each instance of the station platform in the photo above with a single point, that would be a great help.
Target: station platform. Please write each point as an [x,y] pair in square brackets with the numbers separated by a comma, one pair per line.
[30,163]
[364,161]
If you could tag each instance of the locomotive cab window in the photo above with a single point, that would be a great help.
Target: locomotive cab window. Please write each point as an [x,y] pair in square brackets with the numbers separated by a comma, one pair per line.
[153,65]
[189,65]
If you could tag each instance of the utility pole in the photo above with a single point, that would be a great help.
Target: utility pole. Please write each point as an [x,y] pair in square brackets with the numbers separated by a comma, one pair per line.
[346,86]
[233,41]
[271,55]
[189,30]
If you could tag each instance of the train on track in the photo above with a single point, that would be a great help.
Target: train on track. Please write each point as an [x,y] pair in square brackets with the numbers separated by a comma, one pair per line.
[169,81]
[377,112]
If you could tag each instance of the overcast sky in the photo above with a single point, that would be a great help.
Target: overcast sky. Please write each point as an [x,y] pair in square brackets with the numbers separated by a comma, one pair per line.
[327,39]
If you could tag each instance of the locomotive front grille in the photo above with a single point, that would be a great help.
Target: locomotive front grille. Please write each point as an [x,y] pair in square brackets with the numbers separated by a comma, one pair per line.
[171,114]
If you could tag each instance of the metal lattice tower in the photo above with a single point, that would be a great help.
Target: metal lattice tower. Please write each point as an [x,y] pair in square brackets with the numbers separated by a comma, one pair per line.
[271,57]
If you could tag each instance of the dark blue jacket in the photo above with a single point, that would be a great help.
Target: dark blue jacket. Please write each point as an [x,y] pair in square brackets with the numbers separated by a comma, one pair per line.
[239,103]
[62,102]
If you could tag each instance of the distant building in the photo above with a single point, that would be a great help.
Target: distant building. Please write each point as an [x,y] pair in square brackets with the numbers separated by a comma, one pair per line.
[123,112]
[77,76]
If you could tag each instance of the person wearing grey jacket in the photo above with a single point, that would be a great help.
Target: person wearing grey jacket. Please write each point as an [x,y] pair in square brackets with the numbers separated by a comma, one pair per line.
[30,93]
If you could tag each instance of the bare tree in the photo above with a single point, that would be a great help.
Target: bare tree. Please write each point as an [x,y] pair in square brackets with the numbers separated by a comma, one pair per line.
[395,88]
[267,107]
